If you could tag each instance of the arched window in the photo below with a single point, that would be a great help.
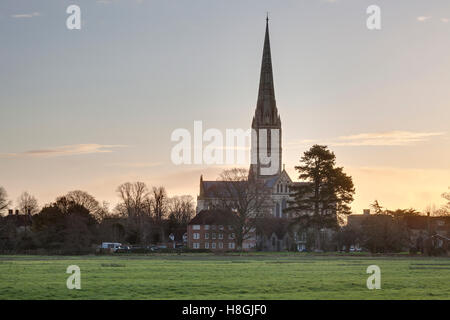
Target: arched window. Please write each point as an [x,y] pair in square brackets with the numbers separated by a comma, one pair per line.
[283,207]
[278,210]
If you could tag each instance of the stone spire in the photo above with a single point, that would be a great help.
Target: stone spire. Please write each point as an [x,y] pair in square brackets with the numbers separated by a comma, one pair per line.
[266,113]
[266,119]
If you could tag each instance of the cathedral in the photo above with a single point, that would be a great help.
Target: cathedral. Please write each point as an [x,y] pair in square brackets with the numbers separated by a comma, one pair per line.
[267,120]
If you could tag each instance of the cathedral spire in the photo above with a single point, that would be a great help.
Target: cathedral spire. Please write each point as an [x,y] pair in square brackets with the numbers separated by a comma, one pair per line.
[266,120]
[266,108]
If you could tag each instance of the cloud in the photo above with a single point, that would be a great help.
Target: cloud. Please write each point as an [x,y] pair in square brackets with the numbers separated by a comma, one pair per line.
[389,138]
[423,18]
[445,20]
[68,150]
[25,15]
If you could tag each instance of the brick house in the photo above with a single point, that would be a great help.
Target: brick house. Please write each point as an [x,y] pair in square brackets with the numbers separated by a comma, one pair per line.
[213,230]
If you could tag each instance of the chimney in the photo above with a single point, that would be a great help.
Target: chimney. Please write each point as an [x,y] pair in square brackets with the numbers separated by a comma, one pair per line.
[366,211]
[10,211]
[17,211]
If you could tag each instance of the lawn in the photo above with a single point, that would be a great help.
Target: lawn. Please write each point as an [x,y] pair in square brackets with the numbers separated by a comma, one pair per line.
[206,276]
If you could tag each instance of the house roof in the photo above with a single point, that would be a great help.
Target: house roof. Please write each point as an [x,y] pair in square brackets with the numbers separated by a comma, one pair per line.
[214,216]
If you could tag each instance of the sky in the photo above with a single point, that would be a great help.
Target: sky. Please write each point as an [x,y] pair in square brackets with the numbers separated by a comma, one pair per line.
[92,108]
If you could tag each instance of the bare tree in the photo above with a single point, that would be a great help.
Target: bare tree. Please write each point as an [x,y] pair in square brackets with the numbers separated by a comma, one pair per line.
[134,195]
[28,204]
[86,200]
[4,202]
[446,208]
[248,198]
[159,203]
[181,209]
[135,203]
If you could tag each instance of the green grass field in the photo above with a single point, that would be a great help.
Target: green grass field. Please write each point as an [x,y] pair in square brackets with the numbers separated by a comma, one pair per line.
[205,276]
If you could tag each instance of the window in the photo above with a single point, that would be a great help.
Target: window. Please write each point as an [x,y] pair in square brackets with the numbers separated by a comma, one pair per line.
[230,227]
[196,236]
[220,227]
[283,207]
[220,235]
[231,236]
[196,245]
[220,245]
[230,245]
[206,235]
[206,245]
[196,227]
[213,245]
[206,226]
[214,235]
[213,227]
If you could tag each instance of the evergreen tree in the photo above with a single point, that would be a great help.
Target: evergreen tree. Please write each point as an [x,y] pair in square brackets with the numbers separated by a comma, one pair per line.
[325,198]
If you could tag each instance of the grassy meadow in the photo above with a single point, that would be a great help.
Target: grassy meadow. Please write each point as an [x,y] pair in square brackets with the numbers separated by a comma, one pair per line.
[207,276]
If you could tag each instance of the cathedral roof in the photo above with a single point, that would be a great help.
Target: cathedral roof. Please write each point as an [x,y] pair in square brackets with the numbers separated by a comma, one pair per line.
[222,189]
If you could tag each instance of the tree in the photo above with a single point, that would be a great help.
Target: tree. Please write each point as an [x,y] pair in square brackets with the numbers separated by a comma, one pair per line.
[384,233]
[86,200]
[377,207]
[324,199]
[65,225]
[399,213]
[247,197]
[445,210]
[28,204]
[159,203]
[133,196]
[4,202]
[135,199]
[181,210]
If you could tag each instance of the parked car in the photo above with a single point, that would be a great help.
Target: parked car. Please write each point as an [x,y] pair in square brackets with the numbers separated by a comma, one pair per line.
[354,249]
[138,249]
[123,249]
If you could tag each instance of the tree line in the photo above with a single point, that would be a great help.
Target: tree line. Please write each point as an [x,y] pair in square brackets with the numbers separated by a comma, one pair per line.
[76,221]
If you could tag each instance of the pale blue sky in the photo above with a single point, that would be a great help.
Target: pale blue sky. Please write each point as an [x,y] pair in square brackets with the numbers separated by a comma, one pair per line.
[137,70]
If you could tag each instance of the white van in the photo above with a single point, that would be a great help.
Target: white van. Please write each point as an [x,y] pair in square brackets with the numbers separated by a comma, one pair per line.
[113,246]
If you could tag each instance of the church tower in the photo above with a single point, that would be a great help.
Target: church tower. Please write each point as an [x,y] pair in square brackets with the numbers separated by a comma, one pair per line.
[266,124]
